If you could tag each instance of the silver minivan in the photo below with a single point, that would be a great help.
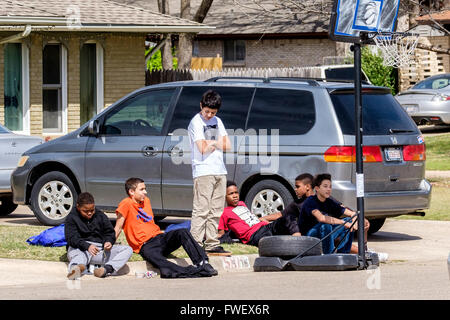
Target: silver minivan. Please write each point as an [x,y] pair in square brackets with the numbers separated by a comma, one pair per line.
[279,128]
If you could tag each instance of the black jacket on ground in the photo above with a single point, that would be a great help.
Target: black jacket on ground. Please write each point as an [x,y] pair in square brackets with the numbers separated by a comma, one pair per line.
[79,230]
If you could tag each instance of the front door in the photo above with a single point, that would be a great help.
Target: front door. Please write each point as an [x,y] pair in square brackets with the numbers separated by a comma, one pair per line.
[130,144]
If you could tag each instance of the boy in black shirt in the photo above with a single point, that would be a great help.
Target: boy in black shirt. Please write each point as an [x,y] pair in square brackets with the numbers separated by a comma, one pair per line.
[90,238]
[320,214]
[303,189]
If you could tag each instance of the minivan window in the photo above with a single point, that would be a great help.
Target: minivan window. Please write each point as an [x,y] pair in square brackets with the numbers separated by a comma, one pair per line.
[290,111]
[382,114]
[143,114]
[233,112]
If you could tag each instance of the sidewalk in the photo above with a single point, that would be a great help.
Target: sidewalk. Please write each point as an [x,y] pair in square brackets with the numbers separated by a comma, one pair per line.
[21,272]
[429,174]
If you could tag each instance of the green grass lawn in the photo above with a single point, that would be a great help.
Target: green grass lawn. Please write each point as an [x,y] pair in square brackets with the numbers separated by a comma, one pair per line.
[438,152]
[13,245]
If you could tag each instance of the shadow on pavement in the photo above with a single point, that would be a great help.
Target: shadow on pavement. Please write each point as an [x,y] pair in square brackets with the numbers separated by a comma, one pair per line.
[24,219]
[382,236]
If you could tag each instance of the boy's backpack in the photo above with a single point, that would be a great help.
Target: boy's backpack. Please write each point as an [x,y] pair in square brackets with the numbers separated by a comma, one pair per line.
[175,226]
[53,237]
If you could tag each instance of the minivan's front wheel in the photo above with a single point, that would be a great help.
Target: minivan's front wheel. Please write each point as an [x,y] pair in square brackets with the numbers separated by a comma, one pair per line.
[52,198]
[267,197]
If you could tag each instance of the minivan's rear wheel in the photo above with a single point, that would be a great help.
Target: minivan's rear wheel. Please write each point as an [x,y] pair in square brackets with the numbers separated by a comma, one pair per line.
[267,197]
[376,224]
[52,198]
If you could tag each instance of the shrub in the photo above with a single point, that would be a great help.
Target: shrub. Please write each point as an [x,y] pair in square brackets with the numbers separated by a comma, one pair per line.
[378,74]
[155,62]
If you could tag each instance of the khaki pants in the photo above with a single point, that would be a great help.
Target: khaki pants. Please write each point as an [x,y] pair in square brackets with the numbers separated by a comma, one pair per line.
[208,205]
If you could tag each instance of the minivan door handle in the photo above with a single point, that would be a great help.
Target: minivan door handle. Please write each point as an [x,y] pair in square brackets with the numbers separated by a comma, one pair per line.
[394,178]
[175,151]
[149,151]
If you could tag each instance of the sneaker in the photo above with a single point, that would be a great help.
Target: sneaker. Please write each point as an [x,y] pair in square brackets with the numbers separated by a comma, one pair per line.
[218,251]
[209,268]
[76,271]
[100,272]
[382,256]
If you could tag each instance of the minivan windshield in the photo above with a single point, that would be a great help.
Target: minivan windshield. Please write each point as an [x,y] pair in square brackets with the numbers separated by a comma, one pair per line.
[382,114]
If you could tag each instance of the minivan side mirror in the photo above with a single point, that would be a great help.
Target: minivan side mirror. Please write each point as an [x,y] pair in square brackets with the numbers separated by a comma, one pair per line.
[94,128]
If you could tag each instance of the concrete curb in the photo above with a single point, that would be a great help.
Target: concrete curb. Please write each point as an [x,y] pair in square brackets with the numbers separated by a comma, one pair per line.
[237,263]
[22,272]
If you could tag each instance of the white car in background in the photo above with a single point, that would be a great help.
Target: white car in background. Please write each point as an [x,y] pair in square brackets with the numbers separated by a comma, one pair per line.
[11,148]
[428,102]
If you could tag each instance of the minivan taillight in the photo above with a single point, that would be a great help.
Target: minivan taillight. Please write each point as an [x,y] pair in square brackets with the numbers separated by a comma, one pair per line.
[348,154]
[415,152]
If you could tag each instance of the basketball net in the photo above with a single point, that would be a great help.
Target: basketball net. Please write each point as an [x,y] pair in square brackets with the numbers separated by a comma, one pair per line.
[397,49]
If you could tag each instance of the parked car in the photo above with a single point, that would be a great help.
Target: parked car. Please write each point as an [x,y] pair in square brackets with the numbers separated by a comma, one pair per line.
[279,128]
[331,72]
[12,146]
[428,102]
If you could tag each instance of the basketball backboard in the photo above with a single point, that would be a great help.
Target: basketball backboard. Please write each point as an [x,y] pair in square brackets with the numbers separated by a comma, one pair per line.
[350,17]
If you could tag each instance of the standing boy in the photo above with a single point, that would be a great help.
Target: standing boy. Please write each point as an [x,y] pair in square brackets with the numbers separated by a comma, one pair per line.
[90,239]
[208,140]
[135,217]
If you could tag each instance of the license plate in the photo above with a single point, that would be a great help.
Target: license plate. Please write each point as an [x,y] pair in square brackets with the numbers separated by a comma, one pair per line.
[393,154]
[411,109]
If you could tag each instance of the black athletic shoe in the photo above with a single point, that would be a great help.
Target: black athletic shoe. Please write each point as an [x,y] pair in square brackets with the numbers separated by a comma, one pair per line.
[218,251]
[209,268]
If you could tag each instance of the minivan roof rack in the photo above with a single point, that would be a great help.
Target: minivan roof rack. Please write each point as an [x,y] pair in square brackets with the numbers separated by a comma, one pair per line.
[311,81]
[237,78]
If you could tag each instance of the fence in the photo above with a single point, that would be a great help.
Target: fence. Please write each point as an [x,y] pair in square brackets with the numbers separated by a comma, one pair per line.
[179,75]
[163,76]
[423,65]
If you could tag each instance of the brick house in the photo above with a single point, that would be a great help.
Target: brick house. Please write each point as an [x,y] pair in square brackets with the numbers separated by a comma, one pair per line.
[286,40]
[62,61]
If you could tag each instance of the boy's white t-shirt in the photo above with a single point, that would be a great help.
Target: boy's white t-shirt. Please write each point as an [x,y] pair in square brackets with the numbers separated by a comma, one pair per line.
[208,163]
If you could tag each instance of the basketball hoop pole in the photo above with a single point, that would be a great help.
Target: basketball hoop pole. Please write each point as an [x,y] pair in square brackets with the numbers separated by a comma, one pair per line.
[359,159]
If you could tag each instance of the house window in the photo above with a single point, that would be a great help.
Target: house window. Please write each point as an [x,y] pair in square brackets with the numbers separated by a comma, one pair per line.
[54,98]
[91,81]
[16,87]
[234,50]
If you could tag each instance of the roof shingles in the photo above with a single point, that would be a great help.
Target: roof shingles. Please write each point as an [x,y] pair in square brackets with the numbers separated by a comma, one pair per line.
[92,12]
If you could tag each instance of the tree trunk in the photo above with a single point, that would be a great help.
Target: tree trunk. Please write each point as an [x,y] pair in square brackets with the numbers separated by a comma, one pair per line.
[166,49]
[432,48]
[202,11]
[186,40]
[166,54]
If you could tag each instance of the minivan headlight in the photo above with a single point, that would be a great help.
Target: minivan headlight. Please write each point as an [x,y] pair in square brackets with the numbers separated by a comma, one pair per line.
[22,161]
[440,97]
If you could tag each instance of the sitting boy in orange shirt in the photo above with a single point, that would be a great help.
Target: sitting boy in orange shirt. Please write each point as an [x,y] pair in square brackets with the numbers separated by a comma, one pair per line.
[135,217]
